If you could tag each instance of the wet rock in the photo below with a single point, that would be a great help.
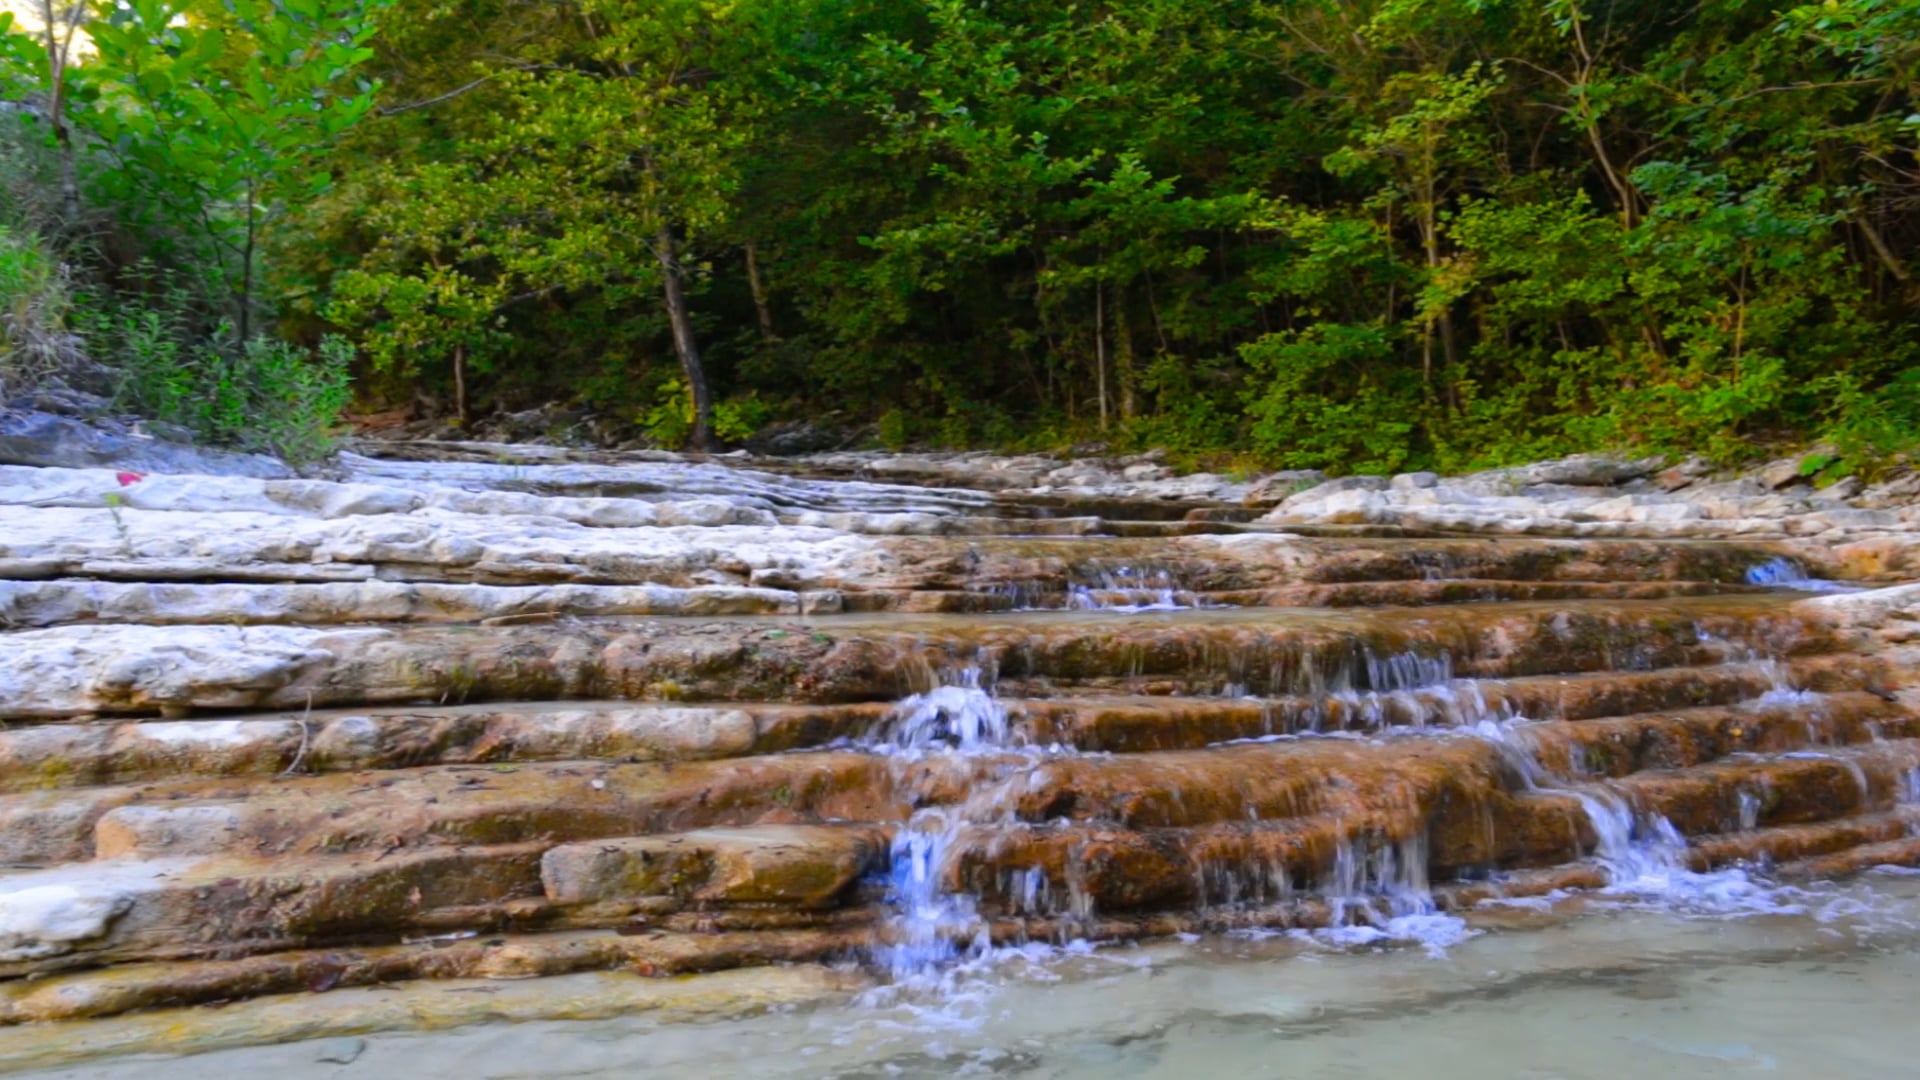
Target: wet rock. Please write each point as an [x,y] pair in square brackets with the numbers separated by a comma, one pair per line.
[1845,488]
[1685,474]
[1277,487]
[34,604]
[534,710]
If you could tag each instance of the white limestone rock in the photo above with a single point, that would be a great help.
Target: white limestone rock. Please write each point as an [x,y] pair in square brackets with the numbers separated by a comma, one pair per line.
[71,670]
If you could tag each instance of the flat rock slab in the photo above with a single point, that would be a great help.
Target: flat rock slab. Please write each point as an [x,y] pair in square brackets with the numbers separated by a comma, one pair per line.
[802,866]
[352,1012]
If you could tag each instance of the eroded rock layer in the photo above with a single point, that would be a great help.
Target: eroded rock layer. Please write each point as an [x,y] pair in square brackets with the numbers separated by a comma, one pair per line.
[514,714]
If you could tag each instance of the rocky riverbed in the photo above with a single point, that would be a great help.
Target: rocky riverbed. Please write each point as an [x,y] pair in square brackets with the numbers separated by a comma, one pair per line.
[458,713]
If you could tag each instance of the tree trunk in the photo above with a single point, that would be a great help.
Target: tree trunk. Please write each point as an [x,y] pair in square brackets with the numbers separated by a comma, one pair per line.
[761,309]
[59,48]
[1100,348]
[460,383]
[684,345]
[1123,358]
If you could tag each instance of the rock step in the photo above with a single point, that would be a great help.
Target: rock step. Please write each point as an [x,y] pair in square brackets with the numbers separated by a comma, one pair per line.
[1800,804]
[1684,738]
[807,867]
[75,670]
[136,910]
[459,537]
[64,755]
[60,755]
[1903,853]
[653,950]
[1788,788]
[1788,844]
[771,877]
[55,603]
[513,802]
[43,603]
[1123,724]
[447,805]
[1344,594]
[652,953]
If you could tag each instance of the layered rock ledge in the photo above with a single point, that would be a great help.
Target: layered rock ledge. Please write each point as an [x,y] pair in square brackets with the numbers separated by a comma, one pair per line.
[466,711]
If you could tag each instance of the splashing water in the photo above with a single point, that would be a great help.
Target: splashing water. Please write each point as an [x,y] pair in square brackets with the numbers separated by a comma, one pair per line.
[1643,855]
[934,927]
[1381,893]
[931,927]
[1784,573]
[960,716]
[1127,589]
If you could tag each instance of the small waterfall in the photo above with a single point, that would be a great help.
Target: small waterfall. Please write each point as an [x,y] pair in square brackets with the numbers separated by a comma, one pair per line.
[960,716]
[929,925]
[1380,690]
[932,926]
[1642,854]
[1379,892]
[1784,573]
[1125,588]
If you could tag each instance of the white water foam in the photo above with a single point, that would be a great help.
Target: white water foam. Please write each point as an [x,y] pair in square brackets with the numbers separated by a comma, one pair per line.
[1785,573]
[1126,589]
[1643,855]
[937,935]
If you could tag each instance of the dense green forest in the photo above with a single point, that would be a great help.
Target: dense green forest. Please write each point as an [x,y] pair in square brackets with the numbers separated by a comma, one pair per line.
[1359,235]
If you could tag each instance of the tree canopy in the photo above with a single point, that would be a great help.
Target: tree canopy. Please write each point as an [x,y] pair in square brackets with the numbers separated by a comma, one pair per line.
[1345,234]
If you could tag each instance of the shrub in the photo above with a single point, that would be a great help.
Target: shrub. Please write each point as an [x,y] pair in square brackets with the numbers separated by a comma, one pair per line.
[34,303]
[262,394]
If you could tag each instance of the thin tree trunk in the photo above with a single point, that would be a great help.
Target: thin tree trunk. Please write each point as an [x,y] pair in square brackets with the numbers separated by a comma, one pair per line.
[684,346]
[1879,244]
[1123,358]
[460,383]
[1153,310]
[1430,241]
[761,309]
[246,271]
[1100,348]
[59,49]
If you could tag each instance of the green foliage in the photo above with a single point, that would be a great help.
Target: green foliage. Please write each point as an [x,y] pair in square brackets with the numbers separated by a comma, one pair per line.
[736,419]
[259,394]
[669,420]
[1311,410]
[1353,235]
[193,129]
[212,115]
[34,304]
[894,429]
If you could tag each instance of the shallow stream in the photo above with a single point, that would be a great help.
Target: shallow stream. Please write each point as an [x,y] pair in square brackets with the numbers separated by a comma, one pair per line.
[1820,985]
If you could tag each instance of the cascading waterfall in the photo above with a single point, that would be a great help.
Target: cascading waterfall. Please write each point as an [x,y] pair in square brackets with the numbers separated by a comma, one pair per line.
[1376,887]
[933,926]
[1125,588]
